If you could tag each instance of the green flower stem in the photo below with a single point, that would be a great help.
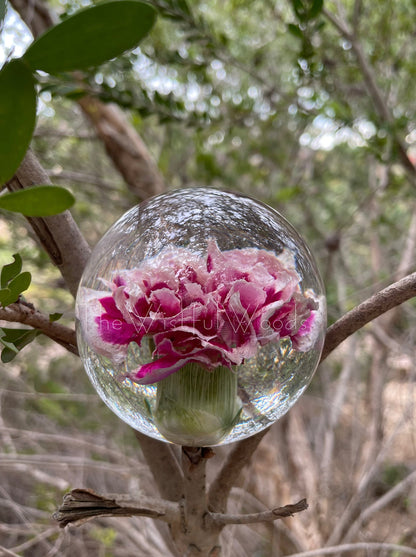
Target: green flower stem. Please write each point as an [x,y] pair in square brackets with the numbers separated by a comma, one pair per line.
[196,407]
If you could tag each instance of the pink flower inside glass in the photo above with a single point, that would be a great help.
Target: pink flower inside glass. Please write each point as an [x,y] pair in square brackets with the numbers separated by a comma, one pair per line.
[213,310]
[201,316]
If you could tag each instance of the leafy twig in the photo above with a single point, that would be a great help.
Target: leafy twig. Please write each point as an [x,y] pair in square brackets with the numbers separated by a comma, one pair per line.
[28,315]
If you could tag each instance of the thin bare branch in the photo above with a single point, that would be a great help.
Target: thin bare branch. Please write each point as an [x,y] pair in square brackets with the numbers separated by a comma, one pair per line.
[28,315]
[7,553]
[253,518]
[334,410]
[396,491]
[72,176]
[349,547]
[354,508]
[45,534]
[82,505]
[373,307]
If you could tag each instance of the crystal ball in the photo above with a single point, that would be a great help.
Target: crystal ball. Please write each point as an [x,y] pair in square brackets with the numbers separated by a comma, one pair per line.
[200,317]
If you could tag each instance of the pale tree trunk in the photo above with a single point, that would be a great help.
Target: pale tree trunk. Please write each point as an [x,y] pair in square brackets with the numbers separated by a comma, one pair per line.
[122,143]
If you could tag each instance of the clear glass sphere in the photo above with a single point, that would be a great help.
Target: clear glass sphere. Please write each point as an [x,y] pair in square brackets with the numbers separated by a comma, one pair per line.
[200,297]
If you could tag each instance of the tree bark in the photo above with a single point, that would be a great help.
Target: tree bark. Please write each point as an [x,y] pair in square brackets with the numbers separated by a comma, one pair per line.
[59,235]
[124,147]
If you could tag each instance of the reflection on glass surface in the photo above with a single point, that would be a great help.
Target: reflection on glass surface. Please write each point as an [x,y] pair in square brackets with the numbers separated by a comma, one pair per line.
[201,221]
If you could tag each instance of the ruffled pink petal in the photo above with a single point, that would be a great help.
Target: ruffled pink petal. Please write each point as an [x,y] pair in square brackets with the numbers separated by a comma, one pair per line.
[165,301]
[157,370]
[215,310]
[89,308]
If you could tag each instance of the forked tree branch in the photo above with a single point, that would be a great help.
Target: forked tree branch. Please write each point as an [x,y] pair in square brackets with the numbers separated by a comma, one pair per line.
[81,505]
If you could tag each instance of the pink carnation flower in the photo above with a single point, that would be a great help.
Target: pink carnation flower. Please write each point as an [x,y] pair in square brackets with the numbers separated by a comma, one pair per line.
[215,310]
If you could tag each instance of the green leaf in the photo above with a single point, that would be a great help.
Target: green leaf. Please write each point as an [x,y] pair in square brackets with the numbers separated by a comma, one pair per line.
[12,336]
[8,354]
[38,201]
[17,116]
[316,8]
[18,285]
[3,10]
[91,36]
[295,30]
[14,340]
[54,317]
[5,297]
[22,337]
[11,270]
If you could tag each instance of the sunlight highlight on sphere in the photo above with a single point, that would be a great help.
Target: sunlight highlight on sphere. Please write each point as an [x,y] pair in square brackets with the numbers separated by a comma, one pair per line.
[200,317]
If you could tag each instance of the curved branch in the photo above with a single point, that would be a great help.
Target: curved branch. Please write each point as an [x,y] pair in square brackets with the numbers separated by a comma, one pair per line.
[376,305]
[28,315]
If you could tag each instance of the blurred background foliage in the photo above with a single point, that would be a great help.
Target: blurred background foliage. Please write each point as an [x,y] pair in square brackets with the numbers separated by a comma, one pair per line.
[310,107]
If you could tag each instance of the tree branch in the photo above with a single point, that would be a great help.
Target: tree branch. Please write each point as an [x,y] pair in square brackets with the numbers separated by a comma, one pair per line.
[193,534]
[82,505]
[68,249]
[28,315]
[238,457]
[376,305]
[267,516]
[363,546]
[59,235]
[398,490]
